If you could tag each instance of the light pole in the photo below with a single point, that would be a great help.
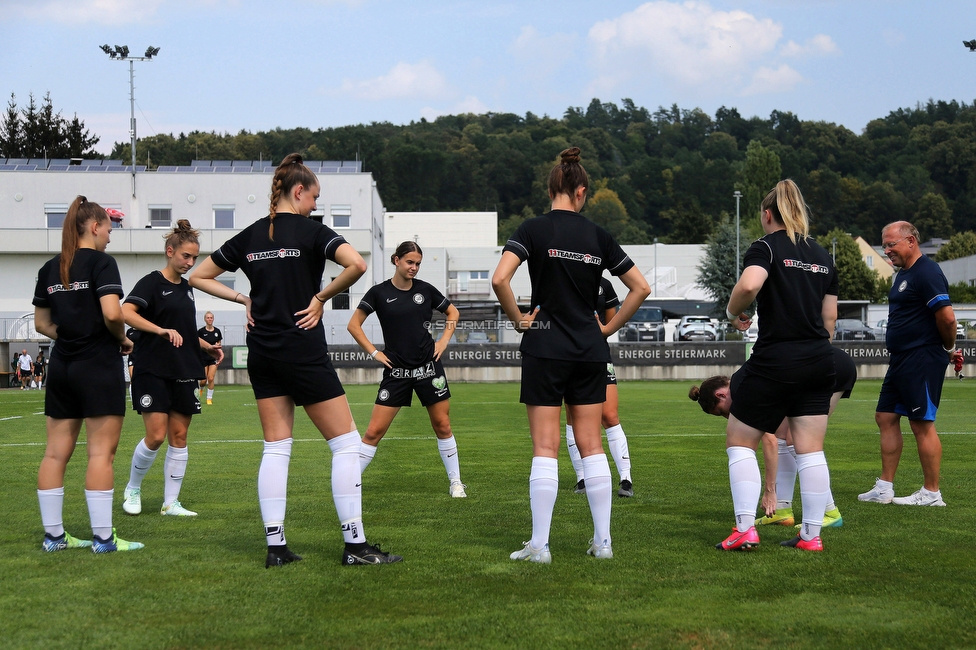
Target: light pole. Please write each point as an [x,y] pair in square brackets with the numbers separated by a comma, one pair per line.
[655,267]
[738,195]
[833,243]
[121,53]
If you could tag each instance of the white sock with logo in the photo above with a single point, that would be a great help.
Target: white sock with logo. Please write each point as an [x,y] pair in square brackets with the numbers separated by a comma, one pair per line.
[52,505]
[366,453]
[785,474]
[273,488]
[617,441]
[746,485]
[543,486]
[449,454]
[142,459]
[100,512]
[596,469]
[347,485]
[814,491]
[574,455]
[174,468]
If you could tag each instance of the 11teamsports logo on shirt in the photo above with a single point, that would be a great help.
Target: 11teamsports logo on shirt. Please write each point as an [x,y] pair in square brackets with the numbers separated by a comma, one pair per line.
[586,258]
[273,255]
[74,286]
[806,266]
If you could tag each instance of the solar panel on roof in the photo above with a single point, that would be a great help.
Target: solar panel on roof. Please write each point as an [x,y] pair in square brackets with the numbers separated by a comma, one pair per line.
[241,163]
[199,163]
[26,168]
[166,168]
[7,168]
[221,163]
[116,168]
[223,169]
[348,170]
[97,168]
[241,169]
[16,161]
[58,161]
[332,163]
[57,168]
[328,170]
[111,162]
[185,168]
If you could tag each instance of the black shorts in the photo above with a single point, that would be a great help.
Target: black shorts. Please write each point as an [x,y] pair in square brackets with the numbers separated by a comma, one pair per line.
[208,360]
[550,382]
[305,383]
[845,373]
[762,402]
[399,384]
[611,375]
[913,384]
[84,388]
[152,394]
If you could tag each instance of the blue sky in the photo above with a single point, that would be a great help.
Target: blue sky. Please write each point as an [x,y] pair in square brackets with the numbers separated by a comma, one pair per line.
[227,65]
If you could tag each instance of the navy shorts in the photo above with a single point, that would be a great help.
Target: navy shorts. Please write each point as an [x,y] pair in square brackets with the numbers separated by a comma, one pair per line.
[85,388]
[550,382]
[152,394]
[305,383]
[913,384]
[762,402]
[399,384]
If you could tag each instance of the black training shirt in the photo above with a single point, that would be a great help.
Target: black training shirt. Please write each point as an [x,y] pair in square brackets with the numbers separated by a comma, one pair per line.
[284,274]
[606,300]
[170,306]
[567,254]
[790,303]
[213,338]
[404,316]
[76,310]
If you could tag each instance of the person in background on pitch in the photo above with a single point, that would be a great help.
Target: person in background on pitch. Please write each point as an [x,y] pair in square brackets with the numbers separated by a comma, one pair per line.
[403,305]
[283,256]
[162,307]
[921,342]
[213,336]
[564,348]
[76,304]
[40,368]
[791,371]
[779,453]
[25,370]
[607,305]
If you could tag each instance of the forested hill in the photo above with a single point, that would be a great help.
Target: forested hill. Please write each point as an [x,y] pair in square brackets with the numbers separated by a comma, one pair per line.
[669,173]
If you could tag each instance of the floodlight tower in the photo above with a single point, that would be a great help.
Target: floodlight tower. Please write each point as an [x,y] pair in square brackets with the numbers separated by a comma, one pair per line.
[121,53]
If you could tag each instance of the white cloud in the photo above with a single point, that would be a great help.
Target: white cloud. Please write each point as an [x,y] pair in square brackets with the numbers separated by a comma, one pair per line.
[404,81]
[819,45]
[768,80]
[469,104]
[540,55]
[689,44]
[103,12]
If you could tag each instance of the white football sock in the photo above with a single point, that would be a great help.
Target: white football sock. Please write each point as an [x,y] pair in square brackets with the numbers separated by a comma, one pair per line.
[596,469]
[100,512]
[273,489]
[142,460]
[543,486]
[347,485]
[574,455]
[785,474]
[52,504]
[617,441]
[746,486]
[449,454]
[366,453]
[174,468]
[814,491]
[210,393]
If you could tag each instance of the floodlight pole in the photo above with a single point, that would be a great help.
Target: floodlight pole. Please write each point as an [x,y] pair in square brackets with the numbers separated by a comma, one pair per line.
[655,267]
[738,195]
[122,54]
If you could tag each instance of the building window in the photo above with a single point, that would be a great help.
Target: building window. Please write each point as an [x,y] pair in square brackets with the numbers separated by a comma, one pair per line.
[55,213]
[161,216]
[223,216]
[479,275]
[341,300]
[317,215]
[870,261]
[341,216]
[227,280]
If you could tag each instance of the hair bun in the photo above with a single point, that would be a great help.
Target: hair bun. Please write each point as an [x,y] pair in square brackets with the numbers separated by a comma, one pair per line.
[571,155]
[694,393]
[183,224]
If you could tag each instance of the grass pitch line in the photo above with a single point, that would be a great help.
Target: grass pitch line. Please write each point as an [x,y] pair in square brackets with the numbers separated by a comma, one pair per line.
[12,417]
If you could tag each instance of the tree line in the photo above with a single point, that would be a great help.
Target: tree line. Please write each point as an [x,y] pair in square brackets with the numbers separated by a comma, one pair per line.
[39,132]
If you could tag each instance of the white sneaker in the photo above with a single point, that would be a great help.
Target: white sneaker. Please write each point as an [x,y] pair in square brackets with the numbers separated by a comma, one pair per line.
[457,490]
[922,497]
[132,504]
[601,551]
[878,494]
[529,554]
[176,509]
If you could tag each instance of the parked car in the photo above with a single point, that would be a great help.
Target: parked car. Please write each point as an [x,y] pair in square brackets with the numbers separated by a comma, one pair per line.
[960,330]
[477,337]
[647,324]
[880,329]
[695,328]
[851,329]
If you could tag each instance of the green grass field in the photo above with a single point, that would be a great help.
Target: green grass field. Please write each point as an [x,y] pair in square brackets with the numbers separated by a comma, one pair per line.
[891,577]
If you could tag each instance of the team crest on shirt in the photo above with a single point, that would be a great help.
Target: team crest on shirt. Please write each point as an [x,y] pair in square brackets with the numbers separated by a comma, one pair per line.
[902,286]
[145,401]
[418,298]
[600,292]
[384,395]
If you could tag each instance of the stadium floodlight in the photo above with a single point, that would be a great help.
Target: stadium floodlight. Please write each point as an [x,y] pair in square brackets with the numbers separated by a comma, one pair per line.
[970,44]
[121,53]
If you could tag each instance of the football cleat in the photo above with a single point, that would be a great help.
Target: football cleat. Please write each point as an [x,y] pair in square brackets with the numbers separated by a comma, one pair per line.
[65,541]
[368,554]
[529,554]
[457,490]
[132,501]
[100,545]
[922,497]
[626,489]
[176,509]
[815,544]
[782,517]
[580,487]
[877,494]
[740,541]
[280,556]
[600,551]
